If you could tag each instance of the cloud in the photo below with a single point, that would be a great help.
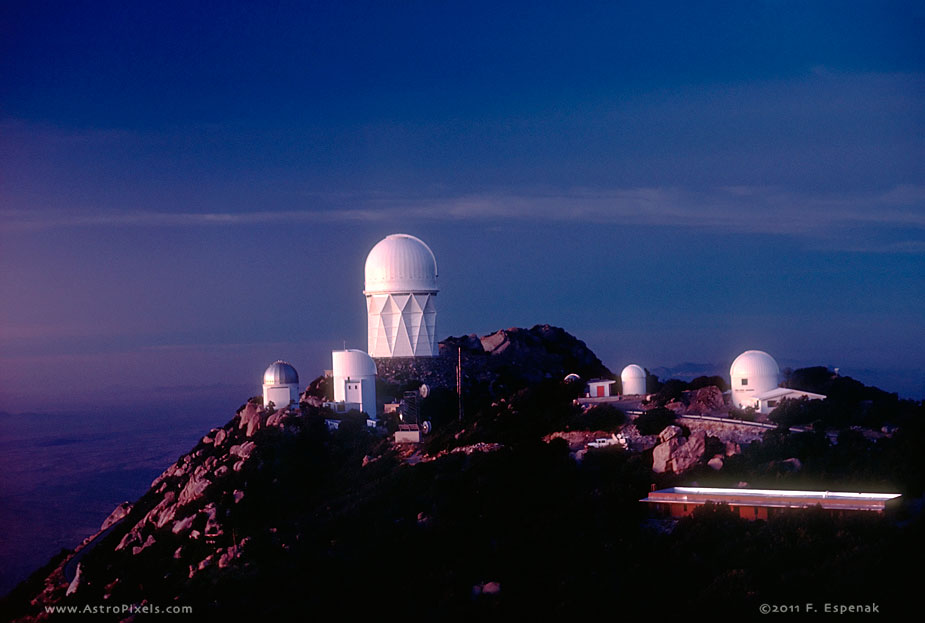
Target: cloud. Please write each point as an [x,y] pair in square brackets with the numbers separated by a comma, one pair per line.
[733,209]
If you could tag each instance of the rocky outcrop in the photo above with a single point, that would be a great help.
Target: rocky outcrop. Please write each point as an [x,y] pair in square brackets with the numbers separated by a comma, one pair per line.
[187,504]
[706,401]
[688,454]
[505,357]
[116,515]
[676,453]
[662,453]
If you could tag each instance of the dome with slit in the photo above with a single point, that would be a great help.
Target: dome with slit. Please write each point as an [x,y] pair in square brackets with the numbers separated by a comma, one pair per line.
[280,373]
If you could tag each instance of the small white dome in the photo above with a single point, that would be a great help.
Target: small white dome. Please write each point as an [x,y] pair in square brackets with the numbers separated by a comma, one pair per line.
[632,371]
[633,379]
[352,363]
[754,364]
[280,373]
[401,263]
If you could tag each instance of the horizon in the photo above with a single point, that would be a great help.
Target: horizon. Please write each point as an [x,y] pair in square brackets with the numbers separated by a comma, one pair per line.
[190,194]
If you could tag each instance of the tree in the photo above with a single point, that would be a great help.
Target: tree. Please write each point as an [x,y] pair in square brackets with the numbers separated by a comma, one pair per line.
[654,421]
[707,381]
[671,390]
[599,417]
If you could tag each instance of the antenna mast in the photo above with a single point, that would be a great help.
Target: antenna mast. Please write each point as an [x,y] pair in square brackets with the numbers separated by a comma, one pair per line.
[459,382]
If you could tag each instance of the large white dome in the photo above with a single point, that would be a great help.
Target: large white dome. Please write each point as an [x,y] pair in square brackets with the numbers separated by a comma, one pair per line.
[754,364]
[752,373]
[280,373]
[401,263]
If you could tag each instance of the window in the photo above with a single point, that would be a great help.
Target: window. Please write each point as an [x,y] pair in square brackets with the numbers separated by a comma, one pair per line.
[744,382]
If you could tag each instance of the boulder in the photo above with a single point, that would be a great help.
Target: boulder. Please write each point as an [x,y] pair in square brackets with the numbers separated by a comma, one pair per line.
[689,454]
[661,455]
[243,450]
[162,513]
[183,525]
[148,543]
[706,401]
[75,583]
[670,432]
[213,529]
[227,557]
[116,515]
[194,488]
[253,417]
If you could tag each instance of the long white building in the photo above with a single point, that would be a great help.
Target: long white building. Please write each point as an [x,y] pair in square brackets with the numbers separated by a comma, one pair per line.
[401,284]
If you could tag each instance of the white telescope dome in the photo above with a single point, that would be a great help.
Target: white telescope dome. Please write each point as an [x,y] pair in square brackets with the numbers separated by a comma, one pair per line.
[632,371]
[353,363]
[280,373]
[354,379]
[633,379]
[401,263]
[752,373]
[754,364]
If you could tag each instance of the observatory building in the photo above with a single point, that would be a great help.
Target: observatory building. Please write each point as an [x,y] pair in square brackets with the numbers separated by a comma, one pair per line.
[354,379]
[633,379]
[752,374]
[280,385]
[401,283]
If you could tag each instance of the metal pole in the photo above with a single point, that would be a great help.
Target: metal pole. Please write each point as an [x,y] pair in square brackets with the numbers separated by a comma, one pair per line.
[459,383]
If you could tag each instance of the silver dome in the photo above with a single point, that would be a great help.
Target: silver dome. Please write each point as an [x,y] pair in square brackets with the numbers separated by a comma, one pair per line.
[280,373]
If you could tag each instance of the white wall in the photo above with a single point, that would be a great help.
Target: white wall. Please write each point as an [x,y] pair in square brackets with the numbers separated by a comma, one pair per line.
[280,395]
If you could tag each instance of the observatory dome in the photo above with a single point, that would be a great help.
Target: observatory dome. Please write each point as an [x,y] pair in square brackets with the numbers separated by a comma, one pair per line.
[401,263]
[280,373]
[754,364]
[752,373]
[633,379]
[632,371]
[353,363]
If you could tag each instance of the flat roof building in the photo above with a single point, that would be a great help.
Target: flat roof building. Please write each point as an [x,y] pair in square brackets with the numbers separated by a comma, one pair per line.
[770,400]
[599,388]
[761,503]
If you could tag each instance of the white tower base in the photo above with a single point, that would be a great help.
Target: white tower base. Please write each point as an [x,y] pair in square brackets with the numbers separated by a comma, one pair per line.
[402,324]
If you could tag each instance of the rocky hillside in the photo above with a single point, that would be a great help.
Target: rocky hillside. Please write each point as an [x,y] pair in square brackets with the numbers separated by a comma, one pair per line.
[507,358]
[274,516]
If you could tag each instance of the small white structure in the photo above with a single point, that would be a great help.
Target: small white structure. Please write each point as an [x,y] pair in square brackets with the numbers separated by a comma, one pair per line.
[753,373]
[633,379]
[408,433]
[354,380]
[280,385]
[401,283]
[770,400]
[599,388]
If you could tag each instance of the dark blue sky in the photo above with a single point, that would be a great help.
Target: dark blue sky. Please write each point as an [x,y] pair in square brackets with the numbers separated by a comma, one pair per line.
[188,190]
